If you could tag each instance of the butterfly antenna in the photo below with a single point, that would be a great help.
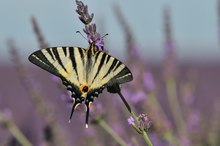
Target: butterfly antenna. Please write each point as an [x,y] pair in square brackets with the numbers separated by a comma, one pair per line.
[73,108]
[104,35]
[87,115]
[81,35]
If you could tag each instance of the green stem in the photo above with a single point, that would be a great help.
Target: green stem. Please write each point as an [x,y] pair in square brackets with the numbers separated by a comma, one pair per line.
[15,131]
[146,138]
[168,133]
[175,105]
[128,107]
[143,133]
[109,130]
[213,132]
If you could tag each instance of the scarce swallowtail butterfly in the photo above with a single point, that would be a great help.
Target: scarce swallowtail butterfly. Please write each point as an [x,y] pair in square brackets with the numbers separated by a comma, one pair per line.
[84,72]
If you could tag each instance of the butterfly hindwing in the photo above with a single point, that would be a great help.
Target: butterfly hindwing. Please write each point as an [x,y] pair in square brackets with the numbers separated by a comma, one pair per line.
[107,70]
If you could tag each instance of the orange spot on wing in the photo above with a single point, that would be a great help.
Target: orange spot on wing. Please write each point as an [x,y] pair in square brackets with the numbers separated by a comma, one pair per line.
[84,87]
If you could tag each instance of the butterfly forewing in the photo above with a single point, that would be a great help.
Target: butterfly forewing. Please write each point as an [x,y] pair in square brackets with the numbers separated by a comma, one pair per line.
[64,62]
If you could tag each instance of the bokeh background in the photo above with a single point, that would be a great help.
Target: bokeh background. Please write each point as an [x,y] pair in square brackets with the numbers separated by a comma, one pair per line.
[172,48]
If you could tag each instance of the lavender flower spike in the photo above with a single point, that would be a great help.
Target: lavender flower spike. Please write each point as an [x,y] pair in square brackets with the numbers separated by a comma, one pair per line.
[82,10]
[90,29]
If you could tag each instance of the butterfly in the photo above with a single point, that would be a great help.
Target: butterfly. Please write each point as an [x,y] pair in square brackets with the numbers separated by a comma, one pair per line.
[84,72]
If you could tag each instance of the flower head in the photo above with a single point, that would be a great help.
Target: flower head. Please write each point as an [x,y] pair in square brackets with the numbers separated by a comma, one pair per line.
[90,29]
[144,122]
[82,10]
[93,36]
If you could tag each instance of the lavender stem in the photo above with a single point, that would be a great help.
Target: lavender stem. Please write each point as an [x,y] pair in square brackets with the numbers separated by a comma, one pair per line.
[142,132]
[15,131]
[109,130]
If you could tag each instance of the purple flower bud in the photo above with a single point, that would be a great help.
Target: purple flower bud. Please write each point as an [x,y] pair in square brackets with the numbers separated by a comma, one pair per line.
[131,121]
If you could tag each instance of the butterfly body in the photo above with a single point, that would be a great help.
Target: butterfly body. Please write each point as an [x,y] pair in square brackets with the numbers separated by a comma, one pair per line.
[85,72]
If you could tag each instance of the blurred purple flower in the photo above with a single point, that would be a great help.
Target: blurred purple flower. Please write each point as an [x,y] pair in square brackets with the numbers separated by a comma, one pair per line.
[132,49]
[96,112]
[55,79]
[135,96]
[148,81]
[187,92]
[185,141]
[157,141]
[90,132]
[67,97]
[189,99]
[118,128]
[96,109]
[138,96]
[193,121]
[135,53]
[170,56]
[131,144]
[41,40]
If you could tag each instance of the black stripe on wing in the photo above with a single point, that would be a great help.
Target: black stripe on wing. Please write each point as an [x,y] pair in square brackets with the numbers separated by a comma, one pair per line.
[111,68]
[38,58]
[64,50]
[73,60]
[101,64]
[123,75]
[56,54]
[81,55]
